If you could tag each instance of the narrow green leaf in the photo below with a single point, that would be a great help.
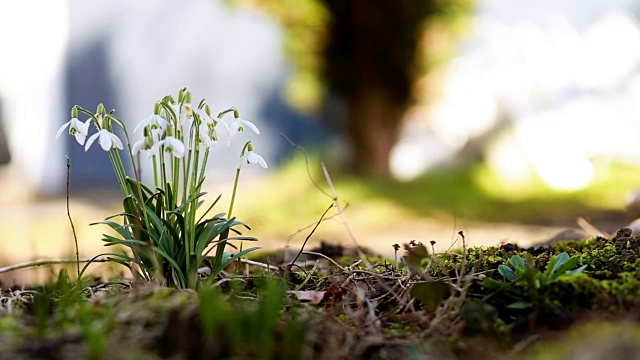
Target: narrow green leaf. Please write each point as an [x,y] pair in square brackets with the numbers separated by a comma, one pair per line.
[570,264]
[519,305]
[491,283]
[576,271]
[229,258]
[507,273]
[517,261]
[561,259]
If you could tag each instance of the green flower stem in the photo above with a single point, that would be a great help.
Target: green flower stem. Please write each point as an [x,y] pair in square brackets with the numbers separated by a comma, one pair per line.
[231,109]
[175,173]
[186,165]
[204,167]
[163,171]
[155,171]
[118,172]
[233,194]
[123,174]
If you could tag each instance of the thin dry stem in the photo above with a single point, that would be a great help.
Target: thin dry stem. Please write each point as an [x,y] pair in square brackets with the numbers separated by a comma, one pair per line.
[47,262]
[343,217]
[310,234]
[326,257]
[73,228]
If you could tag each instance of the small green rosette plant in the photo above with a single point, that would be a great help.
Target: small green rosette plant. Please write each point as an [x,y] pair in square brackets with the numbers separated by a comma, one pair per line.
[164,227]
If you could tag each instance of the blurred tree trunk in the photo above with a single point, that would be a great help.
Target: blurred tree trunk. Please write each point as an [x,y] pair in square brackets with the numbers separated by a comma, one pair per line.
[368,53]
[372,130]
[370,61]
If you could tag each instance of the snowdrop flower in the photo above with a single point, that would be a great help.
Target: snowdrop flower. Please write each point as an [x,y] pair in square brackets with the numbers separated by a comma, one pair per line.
[239,124]
[154,121]
[252,158]
[185,112]
[205,115]
[146,143]
[221,133]
[171,145]
[76,128]
[107,140]
[204,140]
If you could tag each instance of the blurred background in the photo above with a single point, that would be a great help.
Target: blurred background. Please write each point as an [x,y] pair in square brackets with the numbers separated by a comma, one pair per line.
[511,120]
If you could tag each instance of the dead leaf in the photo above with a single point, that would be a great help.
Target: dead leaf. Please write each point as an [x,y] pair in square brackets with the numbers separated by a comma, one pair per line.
[314,297]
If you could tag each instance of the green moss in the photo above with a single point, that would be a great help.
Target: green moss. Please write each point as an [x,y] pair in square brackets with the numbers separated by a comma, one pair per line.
[600,258]
[572,247]
[578,292]
[625,288]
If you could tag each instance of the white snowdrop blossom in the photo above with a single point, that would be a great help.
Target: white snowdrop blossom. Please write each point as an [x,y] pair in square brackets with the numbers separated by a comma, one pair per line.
[206,118]
[239,124]
[221,133]
[146,143]
[186,113]
[171,145]
[254,158]
[204,140]
[106,139]
[76,128]
[154,122]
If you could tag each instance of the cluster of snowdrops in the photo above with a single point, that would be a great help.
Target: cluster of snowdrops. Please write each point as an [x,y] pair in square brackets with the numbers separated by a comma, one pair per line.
[168,241]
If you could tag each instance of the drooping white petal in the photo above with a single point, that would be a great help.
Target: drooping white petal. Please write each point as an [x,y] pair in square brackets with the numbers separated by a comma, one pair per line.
[138,145]
[251,126]
[140,125]
[62,129]
[238,125]
[82,131]
[204,139]
[91,140]
[105,140]
[116,140]
[80,137]
[154,122]
[234,127]
[221,133]
[254,158]
[177,147]
[142,145]
[172,145]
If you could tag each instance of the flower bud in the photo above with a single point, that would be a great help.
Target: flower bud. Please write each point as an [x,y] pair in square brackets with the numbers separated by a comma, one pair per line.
[156,108]
[74,112]
[100,109]
[170,131]
[236,113]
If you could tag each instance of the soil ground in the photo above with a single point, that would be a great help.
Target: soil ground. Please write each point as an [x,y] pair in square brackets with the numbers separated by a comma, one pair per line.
[36,228]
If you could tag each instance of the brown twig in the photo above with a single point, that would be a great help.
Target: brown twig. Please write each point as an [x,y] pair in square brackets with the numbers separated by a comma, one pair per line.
[73,228]
[325,257]
[310,234]
[46,262]
[306,159]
